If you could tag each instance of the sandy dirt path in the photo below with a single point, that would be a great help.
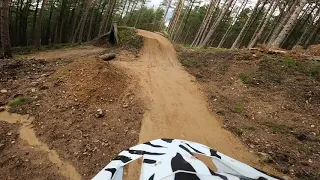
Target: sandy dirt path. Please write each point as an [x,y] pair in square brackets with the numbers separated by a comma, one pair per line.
[69,53]
[176,106]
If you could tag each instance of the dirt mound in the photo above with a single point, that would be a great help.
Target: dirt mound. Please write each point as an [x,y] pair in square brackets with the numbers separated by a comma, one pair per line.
[314,50]
[271,102]
[88,111]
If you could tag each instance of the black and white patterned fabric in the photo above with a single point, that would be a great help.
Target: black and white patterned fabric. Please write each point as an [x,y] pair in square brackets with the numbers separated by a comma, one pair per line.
[173,159]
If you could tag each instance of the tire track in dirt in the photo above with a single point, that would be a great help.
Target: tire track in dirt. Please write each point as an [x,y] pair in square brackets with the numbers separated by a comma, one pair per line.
[176,106]
[27,133]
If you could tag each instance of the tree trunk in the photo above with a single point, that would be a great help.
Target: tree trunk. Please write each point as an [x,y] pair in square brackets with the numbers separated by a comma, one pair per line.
[140,12]
[105,18]
[289,25]
[37,38]
[61,21]
[275,24]
[204,23]
[35,18]
[91,20]
[131,11]
[209,22]
[177,33]
[122,11]
[236,43]
[5,34]
[258,34]
[313,35]
[188,15]
[282,23]
[175,19]
[216,24]
[243,5]
[48,30]
[110,16]
[81,24]
[166,13]
[308,28]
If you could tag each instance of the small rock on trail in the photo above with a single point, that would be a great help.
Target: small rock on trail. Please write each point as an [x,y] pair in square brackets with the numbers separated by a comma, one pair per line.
[99,113]
[108,56]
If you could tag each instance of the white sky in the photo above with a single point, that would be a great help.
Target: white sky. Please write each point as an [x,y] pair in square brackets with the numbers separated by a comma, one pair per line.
[156,3]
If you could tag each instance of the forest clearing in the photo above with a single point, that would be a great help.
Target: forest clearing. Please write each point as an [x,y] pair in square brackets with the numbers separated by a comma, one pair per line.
[82,80]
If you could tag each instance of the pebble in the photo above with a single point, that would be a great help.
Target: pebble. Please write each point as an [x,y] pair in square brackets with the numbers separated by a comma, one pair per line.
[33,90]
[312,126]
[99,113]
[305,163]
[3,91]
[9,133]
[34,84]
[2,108]
[125,105]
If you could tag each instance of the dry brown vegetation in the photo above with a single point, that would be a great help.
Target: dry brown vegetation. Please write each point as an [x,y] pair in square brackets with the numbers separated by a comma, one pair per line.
[271,102]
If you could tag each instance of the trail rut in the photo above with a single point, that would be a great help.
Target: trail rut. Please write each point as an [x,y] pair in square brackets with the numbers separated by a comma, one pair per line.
[27,133]
[176,106]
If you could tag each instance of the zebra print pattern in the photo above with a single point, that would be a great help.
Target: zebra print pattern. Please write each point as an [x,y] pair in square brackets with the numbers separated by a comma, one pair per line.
[174,159]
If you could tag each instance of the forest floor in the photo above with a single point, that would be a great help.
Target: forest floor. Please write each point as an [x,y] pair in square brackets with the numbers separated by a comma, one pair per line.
[271,102]
[81,112]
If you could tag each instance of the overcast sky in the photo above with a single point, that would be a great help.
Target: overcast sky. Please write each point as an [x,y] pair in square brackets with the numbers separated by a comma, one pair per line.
[156,3]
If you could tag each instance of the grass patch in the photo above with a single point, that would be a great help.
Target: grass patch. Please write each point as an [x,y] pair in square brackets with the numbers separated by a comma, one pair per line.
[129,39]
[236,131]
[250,128]
[16,101]
[313,70]
[190,63]
[276,79]
[246,57]
[276,128]
[239,108]
[289,62]
[245,78]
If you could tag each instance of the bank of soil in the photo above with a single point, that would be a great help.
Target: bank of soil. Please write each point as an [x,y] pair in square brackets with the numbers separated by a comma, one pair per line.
[271,102]
[85,109]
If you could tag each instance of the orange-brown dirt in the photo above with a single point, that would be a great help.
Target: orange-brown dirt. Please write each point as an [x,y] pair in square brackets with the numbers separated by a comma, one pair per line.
[176,106]
[62,95]
[271,102]
[63,92]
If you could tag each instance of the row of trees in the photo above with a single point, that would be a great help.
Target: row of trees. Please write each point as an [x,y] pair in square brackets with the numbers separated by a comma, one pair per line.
[235,24]
[218,23]
[44,22]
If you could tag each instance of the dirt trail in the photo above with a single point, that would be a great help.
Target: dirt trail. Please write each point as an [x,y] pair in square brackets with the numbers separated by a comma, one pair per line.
[176,106]
[27,133]
[70,53]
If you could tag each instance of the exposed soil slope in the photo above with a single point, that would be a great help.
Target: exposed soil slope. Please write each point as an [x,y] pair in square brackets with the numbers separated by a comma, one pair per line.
[85,109]
[271,102]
